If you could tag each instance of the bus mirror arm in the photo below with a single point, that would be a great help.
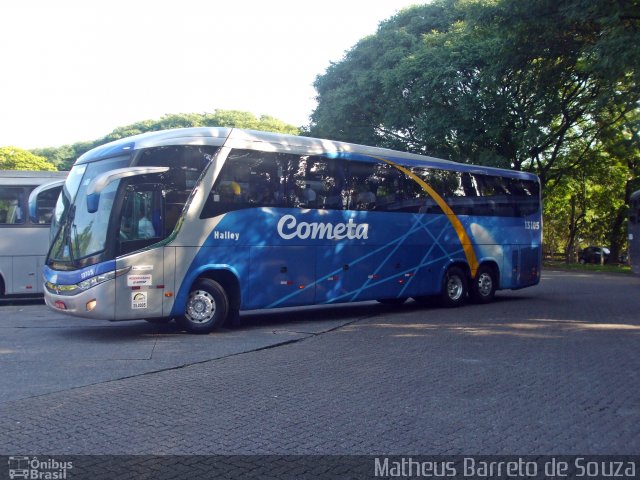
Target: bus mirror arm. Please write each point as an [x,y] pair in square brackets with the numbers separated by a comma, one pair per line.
[99,183]
[33,198]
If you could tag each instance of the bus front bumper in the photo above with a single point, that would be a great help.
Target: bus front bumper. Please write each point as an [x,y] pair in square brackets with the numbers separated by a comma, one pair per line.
[96,303]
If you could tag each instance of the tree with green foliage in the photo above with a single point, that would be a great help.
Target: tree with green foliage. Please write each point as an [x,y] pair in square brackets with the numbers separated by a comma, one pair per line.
[506,83]
[543,86]
[64,156]
[13,158]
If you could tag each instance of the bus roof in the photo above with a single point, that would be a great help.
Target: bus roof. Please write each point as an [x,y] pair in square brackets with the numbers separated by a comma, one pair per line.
[29,177]
[268,141]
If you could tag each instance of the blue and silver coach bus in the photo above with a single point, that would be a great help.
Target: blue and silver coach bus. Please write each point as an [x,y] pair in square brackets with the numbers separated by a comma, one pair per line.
[197,224]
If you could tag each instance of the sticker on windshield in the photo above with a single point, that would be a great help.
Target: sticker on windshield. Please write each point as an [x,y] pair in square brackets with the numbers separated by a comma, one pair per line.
[138,300]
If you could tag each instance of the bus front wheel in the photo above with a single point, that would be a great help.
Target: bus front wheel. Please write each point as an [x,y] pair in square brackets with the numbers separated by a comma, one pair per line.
[454,287]
[207,307]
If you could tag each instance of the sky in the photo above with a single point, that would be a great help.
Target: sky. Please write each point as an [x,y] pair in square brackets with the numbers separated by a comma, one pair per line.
[73,70]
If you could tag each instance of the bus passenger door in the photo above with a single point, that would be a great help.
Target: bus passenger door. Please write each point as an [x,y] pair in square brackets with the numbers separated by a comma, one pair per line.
[140,292]
[281,276]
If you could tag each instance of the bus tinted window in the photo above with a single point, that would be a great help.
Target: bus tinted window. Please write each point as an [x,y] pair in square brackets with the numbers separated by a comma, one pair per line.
[45,205]
[258,179]
[12,211]
[476,194]
[362,181]
[248,179]
[320,183]
[264,179]
[186,165]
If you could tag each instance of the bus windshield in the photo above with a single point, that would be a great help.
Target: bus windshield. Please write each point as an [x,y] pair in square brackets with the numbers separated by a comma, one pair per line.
[67,194]
[133,213]
[80,234]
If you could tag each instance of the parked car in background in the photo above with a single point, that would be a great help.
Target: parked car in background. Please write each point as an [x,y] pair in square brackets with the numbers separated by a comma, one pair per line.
[593,254]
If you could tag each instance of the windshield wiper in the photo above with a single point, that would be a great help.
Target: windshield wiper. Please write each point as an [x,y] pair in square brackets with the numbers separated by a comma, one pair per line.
[67,226]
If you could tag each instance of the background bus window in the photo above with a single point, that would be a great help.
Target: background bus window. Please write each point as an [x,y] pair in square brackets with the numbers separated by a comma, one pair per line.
[45,205]
[12,208]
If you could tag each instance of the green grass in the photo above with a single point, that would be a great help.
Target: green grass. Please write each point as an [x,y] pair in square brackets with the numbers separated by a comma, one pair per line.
[588,267]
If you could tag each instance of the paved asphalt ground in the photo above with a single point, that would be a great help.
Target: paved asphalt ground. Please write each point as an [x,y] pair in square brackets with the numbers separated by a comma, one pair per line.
[553,369]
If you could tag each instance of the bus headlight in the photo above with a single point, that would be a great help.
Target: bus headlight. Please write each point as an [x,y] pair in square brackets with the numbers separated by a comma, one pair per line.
[61,289]
[103,277]
[85,284]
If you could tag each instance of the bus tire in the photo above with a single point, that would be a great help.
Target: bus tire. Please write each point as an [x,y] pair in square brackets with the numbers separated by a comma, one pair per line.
[207,307]
[483,288]
[392,301]
[454,287]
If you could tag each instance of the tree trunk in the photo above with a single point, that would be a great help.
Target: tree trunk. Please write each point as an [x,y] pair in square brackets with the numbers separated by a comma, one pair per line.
[616,233]
[569,250]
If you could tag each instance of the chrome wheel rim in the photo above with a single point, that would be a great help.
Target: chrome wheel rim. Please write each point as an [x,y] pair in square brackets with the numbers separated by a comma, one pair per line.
[485,284]
[201,307]
[454,287]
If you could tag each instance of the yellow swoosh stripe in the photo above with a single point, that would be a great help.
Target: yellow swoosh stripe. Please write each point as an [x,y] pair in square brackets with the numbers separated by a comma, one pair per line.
[467,246]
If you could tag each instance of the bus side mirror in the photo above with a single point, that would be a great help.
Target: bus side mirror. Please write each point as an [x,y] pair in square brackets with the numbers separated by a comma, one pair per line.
[93,201]
[33,198]
[99,183]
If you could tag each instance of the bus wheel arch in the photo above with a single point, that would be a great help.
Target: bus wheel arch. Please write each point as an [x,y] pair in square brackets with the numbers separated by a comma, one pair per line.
[486,282]
[212,302]
[455,285]
[2,290]
[229,281]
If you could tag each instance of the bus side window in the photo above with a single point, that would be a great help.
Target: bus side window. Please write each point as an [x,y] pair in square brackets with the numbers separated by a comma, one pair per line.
[362,185]
[142,219]
[45,204]
[12,205]
[248,179]
[324,184]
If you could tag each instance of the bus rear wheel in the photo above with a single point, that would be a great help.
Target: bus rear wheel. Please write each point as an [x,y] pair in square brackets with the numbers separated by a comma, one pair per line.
[454,287]
[483,288]
[207,307]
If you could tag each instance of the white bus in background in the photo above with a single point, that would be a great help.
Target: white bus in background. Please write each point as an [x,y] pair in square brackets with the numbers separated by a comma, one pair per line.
[24,235]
